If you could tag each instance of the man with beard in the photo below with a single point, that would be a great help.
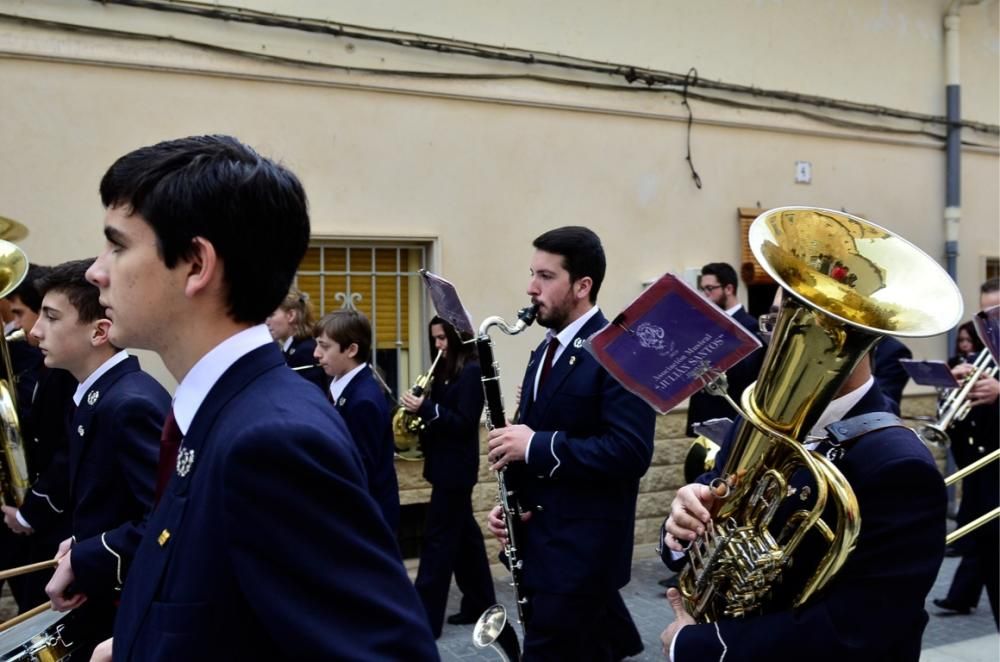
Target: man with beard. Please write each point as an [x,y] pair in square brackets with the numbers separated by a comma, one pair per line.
[718,283]
[575,461]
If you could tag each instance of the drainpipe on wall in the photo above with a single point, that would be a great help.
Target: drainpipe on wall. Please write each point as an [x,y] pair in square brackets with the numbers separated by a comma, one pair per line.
[953,161]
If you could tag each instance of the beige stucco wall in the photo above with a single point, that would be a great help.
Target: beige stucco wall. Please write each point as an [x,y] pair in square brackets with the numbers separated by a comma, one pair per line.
[481,167]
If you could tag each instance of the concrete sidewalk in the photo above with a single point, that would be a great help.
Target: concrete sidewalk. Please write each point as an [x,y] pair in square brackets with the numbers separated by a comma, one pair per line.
[948,638]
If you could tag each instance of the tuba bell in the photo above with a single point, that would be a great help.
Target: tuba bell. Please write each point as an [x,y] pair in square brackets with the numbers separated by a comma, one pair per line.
[14,476]
[850,282]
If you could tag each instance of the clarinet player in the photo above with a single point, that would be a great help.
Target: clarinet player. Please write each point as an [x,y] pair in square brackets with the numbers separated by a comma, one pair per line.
[575,461]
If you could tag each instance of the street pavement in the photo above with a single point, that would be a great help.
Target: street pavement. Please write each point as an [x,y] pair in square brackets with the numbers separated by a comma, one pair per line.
[947,638]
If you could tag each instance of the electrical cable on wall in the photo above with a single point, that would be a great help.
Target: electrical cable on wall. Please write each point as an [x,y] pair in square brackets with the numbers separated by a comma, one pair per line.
[648,81]
[692,76]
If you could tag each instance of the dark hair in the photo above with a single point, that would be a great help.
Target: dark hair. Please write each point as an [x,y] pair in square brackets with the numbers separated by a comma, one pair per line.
[723,272]
[346,327]
[252,210]
[581,251]
[70,278]
[991,285]
[977,343]
[27,292]
[459,353]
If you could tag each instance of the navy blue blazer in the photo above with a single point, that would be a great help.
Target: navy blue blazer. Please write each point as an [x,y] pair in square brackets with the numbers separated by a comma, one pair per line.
[364,408]
[889,373]
[703,406]
[44,429]
[450,441]
[873,609]
[593,441]
[270,546]
[114,449]
[299,355]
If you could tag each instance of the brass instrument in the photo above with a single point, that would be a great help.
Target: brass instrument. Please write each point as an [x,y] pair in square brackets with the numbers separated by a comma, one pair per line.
[494,620]
[955,406]
[14,477]
[406,425]
[850,282]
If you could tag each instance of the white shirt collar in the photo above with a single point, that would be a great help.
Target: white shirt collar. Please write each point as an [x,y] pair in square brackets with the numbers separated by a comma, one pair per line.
[735,309]
[839,407]
[288,343]
[565,338]
[191,392]
[338,385]
[91,379]
[567,334]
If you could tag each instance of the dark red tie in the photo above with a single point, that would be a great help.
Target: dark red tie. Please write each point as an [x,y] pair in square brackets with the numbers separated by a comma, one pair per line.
[170,442]
[550,352]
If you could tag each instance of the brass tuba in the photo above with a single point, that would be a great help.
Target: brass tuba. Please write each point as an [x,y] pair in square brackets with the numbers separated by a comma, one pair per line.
[14,477]
[850,282]
[406,425]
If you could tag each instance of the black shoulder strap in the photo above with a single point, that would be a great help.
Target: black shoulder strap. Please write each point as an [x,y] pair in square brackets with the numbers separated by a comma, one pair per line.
[843,434]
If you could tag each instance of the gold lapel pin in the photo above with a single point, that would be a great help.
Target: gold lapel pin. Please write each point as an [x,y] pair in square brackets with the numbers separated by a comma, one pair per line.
[164,537]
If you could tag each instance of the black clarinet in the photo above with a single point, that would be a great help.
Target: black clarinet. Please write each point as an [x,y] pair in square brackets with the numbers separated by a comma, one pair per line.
[494,619]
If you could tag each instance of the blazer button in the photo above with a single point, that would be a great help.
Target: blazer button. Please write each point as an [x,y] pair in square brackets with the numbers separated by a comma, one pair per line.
[79,430]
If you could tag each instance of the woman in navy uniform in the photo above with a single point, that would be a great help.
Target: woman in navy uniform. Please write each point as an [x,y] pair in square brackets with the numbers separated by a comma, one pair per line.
[291,325]
[453,542]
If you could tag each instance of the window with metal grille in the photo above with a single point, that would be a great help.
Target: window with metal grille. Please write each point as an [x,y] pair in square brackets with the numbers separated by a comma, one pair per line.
[383,282]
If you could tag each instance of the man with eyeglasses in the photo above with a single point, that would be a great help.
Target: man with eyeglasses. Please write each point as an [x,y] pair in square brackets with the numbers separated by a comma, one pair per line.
[718,283]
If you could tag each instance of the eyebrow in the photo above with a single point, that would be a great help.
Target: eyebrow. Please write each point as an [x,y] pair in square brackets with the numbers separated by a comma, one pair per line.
[114,235]
[50,309]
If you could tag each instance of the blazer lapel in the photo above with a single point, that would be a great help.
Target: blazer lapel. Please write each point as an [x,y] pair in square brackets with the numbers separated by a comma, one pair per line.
[80,437]
[568,360]
[528,385]
[170,511]
[345,397]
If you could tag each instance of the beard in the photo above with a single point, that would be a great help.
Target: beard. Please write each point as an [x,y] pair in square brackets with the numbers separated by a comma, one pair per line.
[556,315]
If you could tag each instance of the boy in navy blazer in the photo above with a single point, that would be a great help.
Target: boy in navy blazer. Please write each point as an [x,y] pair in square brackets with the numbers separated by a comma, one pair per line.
[575,459]
[113,447]
[343,342]
[266,543]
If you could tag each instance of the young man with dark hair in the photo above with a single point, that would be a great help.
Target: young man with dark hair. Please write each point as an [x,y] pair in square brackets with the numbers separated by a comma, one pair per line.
[113,449]
[44,408]
[719,284]
[266,533]
[343,345]
[575,461]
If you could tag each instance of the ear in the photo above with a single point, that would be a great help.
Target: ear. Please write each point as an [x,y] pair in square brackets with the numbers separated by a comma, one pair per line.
[99,331]
[203,267]
[352,351]
[581,288]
